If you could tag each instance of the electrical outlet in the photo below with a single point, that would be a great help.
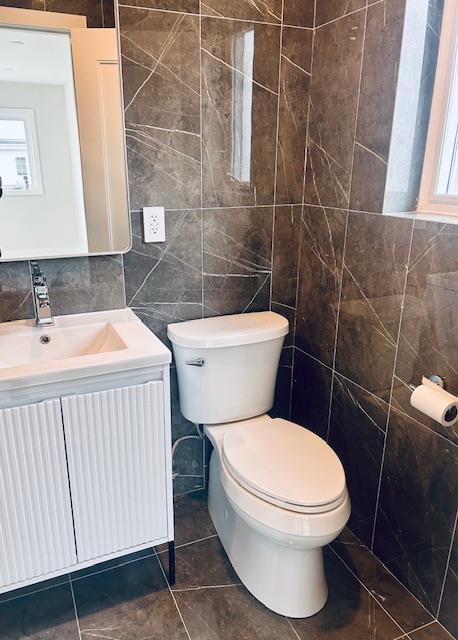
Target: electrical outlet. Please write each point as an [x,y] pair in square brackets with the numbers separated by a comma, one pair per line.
[154,224]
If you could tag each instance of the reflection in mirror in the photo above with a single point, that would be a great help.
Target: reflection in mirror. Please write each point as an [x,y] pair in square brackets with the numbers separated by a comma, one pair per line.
[62,156]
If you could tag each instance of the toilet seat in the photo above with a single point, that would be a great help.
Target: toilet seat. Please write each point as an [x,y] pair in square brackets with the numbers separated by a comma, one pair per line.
[285,465]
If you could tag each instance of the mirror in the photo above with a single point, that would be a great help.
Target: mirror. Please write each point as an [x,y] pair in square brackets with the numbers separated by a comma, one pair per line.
[62,147]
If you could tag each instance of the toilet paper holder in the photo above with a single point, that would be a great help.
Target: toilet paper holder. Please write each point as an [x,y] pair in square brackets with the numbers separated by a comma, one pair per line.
[439,380]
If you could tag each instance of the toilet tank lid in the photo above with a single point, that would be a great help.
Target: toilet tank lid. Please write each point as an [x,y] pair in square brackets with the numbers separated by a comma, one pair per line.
[225,331]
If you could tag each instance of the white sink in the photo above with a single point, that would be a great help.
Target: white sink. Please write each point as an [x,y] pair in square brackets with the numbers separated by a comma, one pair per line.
[77,346]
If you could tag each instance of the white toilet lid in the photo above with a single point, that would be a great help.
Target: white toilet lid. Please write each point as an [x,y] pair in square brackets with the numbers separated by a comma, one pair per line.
[285,464]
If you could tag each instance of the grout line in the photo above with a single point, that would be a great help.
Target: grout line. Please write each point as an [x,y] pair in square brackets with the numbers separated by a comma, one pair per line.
[350,13]
[277,137]
[299,249]
[207,587]
[115,566]
[74,606]
[447,567]
[367,589]
[358,100]
[31,593]
[382,461]
[374,394]
[188,544]
[336,335]
[293,629]
[173,597]
[219,17]
[202,235]
[391,574]
[444,629]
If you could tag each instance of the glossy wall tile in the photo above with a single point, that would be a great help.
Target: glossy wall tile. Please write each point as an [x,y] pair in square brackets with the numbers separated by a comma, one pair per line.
[160,54]
[322,246]
[240,65]
[259,10]
[296,58]
[337,55]
[237,269]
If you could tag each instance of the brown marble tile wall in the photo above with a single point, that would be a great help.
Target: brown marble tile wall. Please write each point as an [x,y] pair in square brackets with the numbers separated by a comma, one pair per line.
[376,309]
[216,108]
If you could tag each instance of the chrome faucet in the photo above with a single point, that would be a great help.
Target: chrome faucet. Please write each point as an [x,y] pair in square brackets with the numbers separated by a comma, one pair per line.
[43,314]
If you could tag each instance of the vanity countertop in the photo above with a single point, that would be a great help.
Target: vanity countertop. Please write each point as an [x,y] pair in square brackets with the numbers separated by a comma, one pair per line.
[77,346]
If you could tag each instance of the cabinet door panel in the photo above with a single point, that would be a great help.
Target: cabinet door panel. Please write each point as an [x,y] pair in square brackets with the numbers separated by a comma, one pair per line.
[36,529]
[116,457]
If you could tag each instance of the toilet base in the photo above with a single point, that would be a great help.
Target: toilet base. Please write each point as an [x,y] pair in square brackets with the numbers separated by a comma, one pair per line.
[288,580]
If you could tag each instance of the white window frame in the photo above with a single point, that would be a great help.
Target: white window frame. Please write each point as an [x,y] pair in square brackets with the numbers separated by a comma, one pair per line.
[28,118]
[428,200]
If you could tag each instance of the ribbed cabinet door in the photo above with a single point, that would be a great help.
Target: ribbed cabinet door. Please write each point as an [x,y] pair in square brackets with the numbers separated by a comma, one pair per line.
[116,458]
[36,529]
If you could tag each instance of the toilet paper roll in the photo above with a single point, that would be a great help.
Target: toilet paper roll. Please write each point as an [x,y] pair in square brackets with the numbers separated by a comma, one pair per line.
[436,403]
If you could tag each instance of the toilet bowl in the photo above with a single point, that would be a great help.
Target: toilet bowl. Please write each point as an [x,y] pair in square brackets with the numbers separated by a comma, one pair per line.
[277,492]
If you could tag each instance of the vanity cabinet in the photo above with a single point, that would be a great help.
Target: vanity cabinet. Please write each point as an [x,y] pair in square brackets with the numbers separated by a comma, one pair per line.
[84,478]
[36,529]
[115,447]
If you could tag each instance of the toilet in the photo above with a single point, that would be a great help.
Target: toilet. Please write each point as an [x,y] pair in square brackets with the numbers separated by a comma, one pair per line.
[277,492]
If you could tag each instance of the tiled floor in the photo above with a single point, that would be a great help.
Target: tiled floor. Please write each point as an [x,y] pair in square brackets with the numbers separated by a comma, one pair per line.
[133,601]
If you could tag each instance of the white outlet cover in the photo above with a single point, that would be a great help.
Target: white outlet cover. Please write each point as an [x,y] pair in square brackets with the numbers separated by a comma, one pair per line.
[154,224]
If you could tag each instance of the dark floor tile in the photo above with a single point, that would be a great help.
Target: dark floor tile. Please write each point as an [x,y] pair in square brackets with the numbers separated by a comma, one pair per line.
[44,615]
[433,631]
[230,613]
[203,564]
[112,564]
[386,589]
[350,612]
[131,602]
[192,520]
[33,588]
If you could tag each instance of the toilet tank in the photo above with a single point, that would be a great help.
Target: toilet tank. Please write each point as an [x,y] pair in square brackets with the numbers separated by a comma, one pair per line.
[227,366]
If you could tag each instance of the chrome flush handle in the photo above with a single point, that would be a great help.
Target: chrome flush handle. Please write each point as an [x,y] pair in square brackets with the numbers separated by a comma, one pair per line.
[198,362]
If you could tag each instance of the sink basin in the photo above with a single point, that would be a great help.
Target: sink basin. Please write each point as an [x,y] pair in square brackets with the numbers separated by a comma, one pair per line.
[77,346]
[58,343]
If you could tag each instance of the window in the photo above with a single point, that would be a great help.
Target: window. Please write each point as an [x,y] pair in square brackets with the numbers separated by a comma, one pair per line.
[439,185]
[242,103]
[19,159]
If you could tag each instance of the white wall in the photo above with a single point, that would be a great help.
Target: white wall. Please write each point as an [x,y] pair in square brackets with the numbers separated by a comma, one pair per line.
[51,224]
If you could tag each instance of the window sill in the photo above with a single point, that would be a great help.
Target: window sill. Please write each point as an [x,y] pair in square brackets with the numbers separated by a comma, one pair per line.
[425,216]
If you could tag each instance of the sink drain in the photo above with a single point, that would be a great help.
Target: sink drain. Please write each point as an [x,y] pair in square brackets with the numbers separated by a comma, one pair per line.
[45,339]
